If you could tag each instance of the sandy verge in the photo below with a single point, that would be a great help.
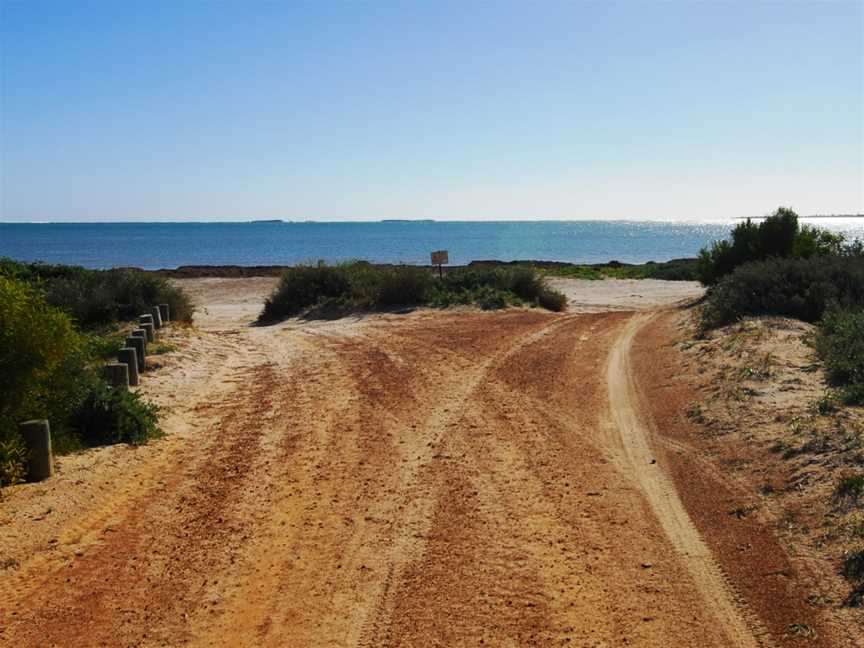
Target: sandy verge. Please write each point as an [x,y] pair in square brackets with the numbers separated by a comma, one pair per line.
[757,463]
[585,296]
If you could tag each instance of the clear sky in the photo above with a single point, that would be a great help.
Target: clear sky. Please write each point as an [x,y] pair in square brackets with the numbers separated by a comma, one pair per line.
[236,110]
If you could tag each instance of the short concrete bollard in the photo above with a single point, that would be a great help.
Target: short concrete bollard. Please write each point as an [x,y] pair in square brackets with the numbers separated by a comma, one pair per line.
[129,357]
[163,312]
[150,330]
[37,437]
[145,319]
[157,317]
[117,375]
[141,333]
[140,345]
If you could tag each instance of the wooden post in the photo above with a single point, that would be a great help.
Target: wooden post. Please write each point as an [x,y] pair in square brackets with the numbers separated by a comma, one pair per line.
[140,345]
[147,318]
[117,375]
[157,317]
[37,438]
[129,356]
[164,312]
[150,329]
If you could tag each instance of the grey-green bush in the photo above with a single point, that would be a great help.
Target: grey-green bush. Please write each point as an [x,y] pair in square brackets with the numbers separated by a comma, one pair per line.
[95,298]
[108,416]
[801,288]
[359,285]
[840,344]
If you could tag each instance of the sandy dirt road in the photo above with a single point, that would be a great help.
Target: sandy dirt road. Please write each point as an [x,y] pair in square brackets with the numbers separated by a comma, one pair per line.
[429,479]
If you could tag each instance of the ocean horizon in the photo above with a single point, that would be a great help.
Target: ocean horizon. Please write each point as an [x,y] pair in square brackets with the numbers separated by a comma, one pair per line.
[158,245]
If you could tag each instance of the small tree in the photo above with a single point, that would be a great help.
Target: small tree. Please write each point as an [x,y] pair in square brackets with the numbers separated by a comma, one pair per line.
[778,236]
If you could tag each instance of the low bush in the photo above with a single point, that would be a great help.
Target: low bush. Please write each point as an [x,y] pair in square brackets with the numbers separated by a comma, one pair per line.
[109,416]
[552,300]
[801,288]
[853,570]
[95,298]
[850,488]
[403,286]
[672,270]
[101,297]
[840,344]
[304,286]
[360,285]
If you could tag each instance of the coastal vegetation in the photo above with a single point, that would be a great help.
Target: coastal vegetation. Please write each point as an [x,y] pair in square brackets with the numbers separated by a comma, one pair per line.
[778,268]
[357,285]
[97,298]
[779,236]
[840,344]
[56,324]
[805,289]
[674,270]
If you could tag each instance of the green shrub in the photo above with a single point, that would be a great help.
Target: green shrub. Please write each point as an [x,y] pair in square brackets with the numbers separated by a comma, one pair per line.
[840,344]
[404,286]
[33,272]
[360,285]
[101,297]
[43,365]
[303,286]
[491,299]
[674,270]
[850,488]
[801,288]
[95,298]
[46,373]
[109,416]
[13,460]
[777,236]
[853,565]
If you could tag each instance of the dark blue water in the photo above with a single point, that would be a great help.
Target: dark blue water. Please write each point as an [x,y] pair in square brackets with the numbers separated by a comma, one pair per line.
[168,245]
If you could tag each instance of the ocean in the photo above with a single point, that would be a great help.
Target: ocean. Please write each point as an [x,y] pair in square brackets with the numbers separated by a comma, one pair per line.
[169,245]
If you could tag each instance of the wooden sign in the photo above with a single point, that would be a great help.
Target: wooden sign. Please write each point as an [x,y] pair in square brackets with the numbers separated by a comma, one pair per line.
[439,257]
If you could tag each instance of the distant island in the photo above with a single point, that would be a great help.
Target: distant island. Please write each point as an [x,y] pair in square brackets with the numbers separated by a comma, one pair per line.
[810,216]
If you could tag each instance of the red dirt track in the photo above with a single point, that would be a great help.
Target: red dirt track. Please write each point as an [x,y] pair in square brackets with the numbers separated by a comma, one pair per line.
[435,479]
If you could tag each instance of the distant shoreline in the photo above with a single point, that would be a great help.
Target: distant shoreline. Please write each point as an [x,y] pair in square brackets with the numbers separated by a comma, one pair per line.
[409,221]
[244,271]
[804,217]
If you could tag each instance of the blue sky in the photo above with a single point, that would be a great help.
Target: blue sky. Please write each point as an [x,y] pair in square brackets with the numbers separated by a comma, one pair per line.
[235,110]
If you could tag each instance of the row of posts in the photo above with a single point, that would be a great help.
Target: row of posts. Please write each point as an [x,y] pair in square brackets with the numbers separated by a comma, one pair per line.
[131,360]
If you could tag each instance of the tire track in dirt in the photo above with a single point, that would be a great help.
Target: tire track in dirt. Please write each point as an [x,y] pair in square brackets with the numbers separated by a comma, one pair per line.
[177,530]
[69,532]
[634,455]
[536,542]
[432,481]
[370,512]
[408,544]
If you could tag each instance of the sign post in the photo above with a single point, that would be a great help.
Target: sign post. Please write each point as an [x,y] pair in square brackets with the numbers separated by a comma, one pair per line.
[439,258]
